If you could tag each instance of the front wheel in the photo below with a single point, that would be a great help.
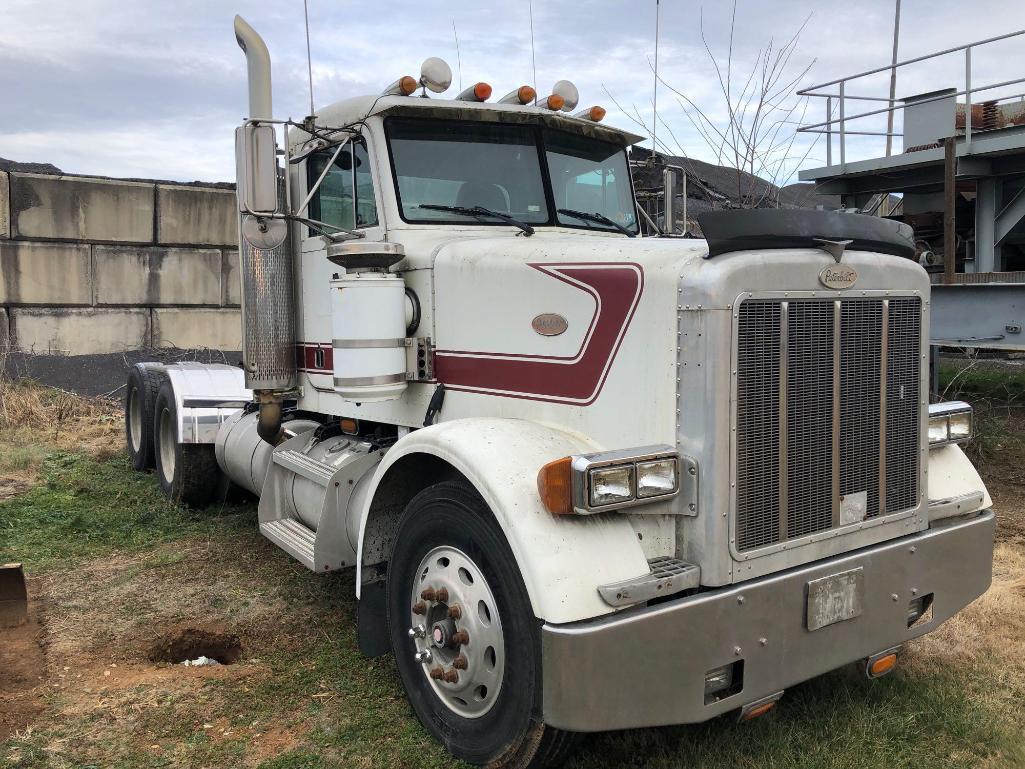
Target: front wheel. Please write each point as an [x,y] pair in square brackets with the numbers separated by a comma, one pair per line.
[466,642]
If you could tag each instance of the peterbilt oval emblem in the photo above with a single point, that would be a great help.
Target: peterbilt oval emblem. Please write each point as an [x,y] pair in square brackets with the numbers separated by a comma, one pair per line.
[549,324]
[838,276]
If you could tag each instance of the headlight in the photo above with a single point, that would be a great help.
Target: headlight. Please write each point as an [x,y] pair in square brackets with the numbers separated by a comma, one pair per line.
[949,422]
[609,485]
[608,480]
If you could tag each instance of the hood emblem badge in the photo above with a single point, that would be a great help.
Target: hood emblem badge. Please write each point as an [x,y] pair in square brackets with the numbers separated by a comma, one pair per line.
[840,276]
[549,324]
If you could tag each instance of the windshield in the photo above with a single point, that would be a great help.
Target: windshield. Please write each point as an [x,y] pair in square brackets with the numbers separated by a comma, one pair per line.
[506,168]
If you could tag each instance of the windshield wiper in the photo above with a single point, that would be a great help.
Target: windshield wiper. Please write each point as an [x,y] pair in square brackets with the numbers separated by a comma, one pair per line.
[597,218]
[479,211]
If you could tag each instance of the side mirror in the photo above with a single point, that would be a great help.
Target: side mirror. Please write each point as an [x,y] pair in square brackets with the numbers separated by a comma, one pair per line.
[669,200]
[256,169]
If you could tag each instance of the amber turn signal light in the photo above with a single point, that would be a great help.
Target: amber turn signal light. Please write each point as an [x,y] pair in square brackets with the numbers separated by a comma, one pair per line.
[554,487]
[526,94]
[555,102]
[407,85]
[482,91]
[758,710]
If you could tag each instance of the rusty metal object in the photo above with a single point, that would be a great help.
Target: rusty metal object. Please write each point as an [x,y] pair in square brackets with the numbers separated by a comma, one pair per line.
[460,637]
[437,673]
[428,594]
[442,595]
[451,677]
[13,596]
[460,662]
[419,608]
[455,612]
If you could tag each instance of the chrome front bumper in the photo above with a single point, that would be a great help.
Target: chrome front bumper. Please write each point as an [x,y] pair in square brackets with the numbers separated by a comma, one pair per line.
[647,667]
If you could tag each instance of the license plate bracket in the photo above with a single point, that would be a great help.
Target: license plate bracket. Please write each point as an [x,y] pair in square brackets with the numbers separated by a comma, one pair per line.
[835,598]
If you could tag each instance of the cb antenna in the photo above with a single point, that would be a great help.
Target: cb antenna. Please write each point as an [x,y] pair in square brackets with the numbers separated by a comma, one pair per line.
[654,95]
[533,62]
[459,58]
[309,58]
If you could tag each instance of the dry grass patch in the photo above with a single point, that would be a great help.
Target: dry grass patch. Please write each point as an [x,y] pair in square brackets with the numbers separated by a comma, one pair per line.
[35,419]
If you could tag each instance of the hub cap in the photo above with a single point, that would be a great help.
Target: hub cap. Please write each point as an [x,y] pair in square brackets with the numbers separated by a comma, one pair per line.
[456,632]
[135,418]
[166,441]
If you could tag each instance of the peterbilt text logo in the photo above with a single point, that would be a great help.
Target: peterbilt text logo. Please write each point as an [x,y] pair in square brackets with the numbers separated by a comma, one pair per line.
[549,324]
[838,276]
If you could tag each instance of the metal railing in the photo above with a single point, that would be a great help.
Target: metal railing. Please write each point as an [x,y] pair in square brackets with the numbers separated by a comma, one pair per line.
[827,126]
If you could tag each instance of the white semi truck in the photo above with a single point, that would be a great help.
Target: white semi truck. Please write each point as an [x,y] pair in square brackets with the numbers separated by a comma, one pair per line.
[588,480]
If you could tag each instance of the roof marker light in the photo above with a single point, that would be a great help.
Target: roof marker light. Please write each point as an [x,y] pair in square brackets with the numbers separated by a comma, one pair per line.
[435,75]
[522,95]
[595,114]
[569,93]
[476,92]
[555,102]
[404,86]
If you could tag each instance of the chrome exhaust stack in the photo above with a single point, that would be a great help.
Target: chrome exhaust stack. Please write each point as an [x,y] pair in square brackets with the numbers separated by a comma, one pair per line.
[265,247]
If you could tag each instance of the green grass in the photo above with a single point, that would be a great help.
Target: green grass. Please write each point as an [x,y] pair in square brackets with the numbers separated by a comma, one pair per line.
[300,634]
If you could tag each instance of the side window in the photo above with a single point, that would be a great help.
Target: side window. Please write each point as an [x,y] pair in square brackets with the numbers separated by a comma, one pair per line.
[346,196]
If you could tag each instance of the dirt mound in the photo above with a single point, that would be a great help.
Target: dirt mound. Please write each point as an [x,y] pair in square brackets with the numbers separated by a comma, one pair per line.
[22,670]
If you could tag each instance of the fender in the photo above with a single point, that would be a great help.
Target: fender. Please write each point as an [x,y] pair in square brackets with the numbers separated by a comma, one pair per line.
[955,487]
[562,559]
[206,394]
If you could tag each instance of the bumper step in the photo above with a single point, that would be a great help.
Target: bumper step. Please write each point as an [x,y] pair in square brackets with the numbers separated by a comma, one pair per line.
[666,577]
[292,537]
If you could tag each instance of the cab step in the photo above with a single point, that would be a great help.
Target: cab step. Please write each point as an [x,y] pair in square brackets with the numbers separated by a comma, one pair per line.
[666,576]
[302,465]
[293,537]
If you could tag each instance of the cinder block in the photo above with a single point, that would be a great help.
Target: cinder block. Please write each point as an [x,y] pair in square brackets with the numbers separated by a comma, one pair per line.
[157,276]
[66,331]
[231,280]
[78,208]
[44,273]
[5,205]
[218,329]
[203,216]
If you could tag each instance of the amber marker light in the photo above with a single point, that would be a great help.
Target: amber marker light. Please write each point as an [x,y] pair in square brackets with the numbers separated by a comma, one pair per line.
[597,114]
[759,710]
[555,102]
[482,91]
[882,665]
[407,85]
[526,94]
[555,488]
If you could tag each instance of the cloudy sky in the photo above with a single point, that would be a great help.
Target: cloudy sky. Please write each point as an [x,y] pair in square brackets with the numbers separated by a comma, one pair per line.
[153,88]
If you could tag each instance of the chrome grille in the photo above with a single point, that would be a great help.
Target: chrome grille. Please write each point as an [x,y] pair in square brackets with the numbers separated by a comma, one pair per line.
[827,429]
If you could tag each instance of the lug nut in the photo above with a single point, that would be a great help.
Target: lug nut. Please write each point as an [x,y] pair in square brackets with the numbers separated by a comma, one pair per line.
[455,612]
[437,673]
[459,663]
[419,608]
[423,657]
[428,594]
[460,637]
[417,632]
[451,677]
[442,595]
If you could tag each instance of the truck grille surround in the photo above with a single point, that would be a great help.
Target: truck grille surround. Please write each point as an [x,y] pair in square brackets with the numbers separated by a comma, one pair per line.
[827,414]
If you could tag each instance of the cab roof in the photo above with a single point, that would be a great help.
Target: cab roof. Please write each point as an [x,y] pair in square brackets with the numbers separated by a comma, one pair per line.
[350,111]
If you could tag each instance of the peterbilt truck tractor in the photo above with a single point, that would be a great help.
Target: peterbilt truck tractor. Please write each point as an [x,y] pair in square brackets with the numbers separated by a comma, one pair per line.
[588,480]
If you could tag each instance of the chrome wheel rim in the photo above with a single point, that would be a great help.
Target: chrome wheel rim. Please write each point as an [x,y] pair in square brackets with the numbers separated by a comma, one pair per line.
[135,419]
[167,445]
[456,632]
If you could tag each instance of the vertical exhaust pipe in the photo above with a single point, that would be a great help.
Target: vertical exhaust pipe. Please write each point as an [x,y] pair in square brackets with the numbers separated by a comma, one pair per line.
[268,300]
[258,69]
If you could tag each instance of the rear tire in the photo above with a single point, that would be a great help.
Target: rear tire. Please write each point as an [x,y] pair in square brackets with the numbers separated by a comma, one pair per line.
[188,472]
[445,528]
[140,397]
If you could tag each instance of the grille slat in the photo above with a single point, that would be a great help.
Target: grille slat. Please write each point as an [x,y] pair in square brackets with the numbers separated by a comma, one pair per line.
[822,469]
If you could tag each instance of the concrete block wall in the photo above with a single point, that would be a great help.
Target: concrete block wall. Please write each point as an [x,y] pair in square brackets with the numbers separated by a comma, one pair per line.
[92,265]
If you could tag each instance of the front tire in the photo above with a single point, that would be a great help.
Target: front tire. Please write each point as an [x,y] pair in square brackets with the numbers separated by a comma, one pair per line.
[480,693]
[188,472]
